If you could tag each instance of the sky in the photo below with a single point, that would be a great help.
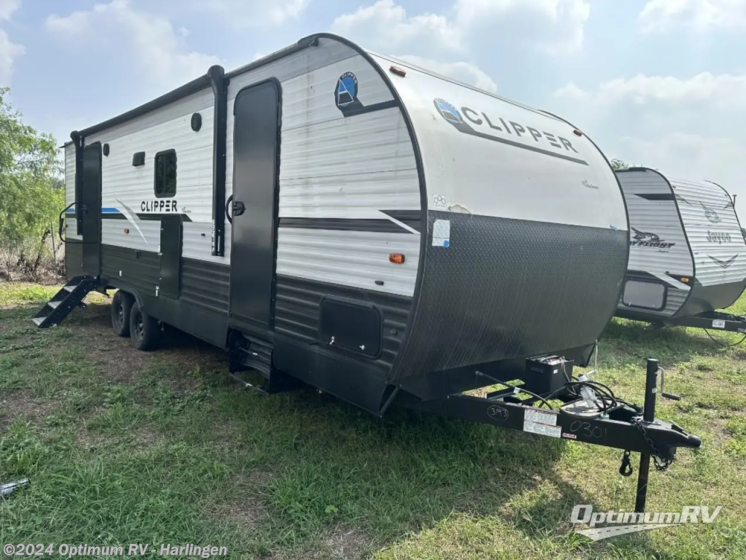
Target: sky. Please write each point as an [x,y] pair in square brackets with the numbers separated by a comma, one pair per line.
[660,83]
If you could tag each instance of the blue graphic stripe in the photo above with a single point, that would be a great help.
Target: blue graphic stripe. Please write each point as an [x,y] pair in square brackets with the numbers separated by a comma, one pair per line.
[104,210]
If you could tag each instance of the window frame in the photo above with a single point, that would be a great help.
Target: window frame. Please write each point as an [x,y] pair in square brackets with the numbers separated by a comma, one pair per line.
[163,154]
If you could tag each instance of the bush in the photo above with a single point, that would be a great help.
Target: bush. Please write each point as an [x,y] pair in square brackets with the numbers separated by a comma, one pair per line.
[31,196]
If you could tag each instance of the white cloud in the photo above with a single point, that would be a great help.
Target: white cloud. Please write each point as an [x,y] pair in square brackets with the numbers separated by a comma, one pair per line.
[8,7]
[660,15]
[462,71]
[445,42]
[254,13]
[691,155]
[158,48]
[9,51]
[385,25]
[722,91]
[554,26]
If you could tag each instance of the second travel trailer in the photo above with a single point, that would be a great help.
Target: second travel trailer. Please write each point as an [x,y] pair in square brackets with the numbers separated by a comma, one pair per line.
[687,253]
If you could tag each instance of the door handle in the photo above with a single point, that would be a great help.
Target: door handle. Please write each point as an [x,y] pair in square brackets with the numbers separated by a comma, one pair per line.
[238,208]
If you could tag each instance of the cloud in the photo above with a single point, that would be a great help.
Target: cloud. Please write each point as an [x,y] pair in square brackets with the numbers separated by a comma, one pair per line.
[690,155]
[386,25]
[686,127]
[8,7]
[554,26]
[551,26]
[253,13]
[721,91]
[9,51]
[462,71]
[159,50]
[700,15]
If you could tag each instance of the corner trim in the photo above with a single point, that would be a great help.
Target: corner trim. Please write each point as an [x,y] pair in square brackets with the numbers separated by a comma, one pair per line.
[77,139]
[219,84]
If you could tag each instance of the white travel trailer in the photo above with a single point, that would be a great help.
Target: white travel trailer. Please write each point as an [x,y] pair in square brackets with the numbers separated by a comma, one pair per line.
[339,218]
[687,253]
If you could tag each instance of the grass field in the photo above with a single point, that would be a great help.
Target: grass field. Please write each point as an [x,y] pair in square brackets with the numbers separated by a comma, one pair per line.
[125,447]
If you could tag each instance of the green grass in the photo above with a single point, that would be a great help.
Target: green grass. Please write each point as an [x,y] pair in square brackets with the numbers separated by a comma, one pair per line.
[123,446]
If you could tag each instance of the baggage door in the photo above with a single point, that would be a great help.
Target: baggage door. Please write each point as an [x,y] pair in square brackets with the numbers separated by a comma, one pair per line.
[256,138]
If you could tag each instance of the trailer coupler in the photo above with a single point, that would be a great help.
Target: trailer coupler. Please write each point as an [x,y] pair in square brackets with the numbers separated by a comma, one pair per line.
[598,418]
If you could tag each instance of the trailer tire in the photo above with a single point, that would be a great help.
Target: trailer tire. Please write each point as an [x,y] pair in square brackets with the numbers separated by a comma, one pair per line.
[121,307]
[145,331]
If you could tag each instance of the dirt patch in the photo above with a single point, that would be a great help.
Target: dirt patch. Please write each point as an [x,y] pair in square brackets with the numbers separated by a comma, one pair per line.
[14,404]
[121,362]
[92,441]
[346,544]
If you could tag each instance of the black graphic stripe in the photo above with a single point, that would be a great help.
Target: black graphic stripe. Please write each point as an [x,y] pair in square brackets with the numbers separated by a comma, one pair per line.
[359,109]
[348,224]
[148,217]
[658,197]
[525,147]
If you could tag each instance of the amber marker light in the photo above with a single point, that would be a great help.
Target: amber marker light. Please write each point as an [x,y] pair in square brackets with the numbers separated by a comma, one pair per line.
[396,258]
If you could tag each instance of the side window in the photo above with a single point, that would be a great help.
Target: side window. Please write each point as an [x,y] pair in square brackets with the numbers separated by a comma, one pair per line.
[165,174]
[648,295]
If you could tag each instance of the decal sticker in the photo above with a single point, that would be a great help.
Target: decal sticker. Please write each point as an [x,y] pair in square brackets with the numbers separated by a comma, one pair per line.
[159,205]
[541,422]
[541,417]
[346,97]
[722,263]
[588,185]
[710,214]
[718,324]
[346,93]
[569,436]
[492,127]
[442,233]
[542,429]
[647,239]
[718,237]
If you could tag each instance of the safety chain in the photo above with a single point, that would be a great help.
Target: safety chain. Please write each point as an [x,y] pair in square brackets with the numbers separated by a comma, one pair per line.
[661,462]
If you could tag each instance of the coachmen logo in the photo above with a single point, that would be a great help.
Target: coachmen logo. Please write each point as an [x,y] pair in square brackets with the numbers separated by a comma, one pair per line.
[647,239]
[494,128]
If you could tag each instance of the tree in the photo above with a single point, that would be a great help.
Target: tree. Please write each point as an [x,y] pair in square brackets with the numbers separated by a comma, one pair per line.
[29,198]
[618,164]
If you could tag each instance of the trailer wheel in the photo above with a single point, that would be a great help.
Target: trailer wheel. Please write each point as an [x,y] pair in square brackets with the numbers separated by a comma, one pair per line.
[121,306]
[144,329]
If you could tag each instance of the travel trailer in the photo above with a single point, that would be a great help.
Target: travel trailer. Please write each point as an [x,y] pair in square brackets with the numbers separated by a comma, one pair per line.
[687,254]
[345,220]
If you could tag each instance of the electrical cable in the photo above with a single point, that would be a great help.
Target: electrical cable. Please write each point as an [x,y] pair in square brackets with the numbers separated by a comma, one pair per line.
[512,387]
[716,341]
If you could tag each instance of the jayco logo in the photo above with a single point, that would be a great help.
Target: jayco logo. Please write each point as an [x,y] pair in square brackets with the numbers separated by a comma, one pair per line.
[718,237]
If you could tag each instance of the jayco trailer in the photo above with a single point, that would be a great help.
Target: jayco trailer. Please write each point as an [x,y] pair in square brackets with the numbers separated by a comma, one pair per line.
[687,254]
[347,220]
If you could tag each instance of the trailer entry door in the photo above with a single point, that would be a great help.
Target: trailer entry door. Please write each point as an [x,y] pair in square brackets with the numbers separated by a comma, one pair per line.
[254,208]
[90,209]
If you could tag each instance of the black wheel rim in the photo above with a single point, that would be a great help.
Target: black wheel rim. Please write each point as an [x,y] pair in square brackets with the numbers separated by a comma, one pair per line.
[120,315]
